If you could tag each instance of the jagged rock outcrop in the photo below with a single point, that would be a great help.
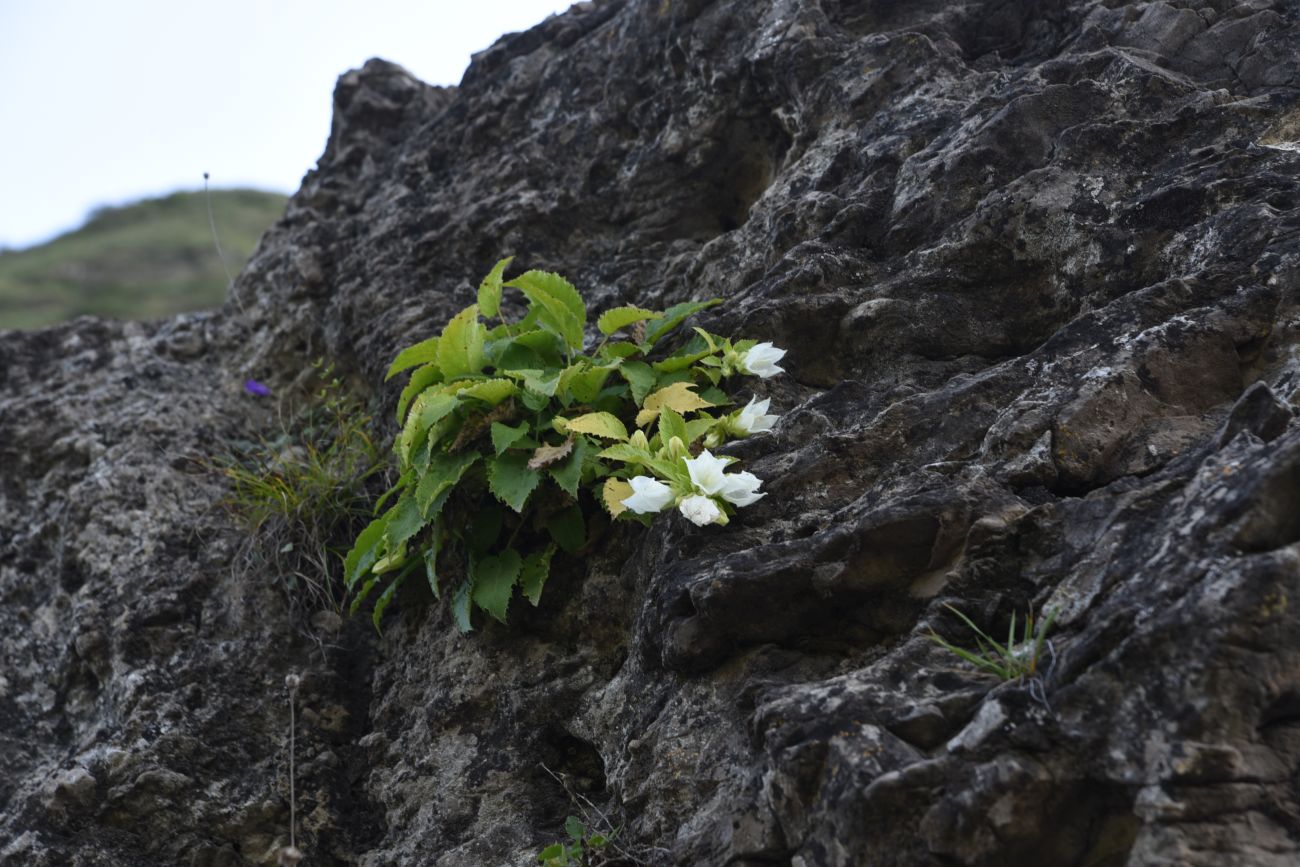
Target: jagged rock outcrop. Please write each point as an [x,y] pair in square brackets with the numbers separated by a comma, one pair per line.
[1036,264]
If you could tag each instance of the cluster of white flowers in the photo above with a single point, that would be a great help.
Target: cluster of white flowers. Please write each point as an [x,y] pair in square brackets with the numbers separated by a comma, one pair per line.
[709,480]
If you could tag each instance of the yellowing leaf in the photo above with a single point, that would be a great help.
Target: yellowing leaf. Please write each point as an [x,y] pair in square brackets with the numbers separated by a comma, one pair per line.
[615,492]
[601,424]
[677,397]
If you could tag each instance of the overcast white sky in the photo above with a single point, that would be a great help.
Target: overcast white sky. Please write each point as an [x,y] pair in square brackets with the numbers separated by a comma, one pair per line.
[106,101]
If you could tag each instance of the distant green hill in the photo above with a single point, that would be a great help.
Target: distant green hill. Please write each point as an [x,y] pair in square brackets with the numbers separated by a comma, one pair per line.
[140,261]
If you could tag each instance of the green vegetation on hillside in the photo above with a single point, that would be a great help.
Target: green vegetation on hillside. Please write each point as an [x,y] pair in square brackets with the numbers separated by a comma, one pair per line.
[149,259]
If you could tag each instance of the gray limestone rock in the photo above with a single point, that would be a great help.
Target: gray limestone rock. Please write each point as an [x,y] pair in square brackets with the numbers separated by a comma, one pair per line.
[1038,268]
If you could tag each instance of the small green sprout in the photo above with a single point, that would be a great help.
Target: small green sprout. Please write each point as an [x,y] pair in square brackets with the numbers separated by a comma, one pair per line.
[1015,660]
[581,847]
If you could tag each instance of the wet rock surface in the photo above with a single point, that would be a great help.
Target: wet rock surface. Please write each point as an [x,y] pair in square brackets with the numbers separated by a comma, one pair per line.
[1037,268]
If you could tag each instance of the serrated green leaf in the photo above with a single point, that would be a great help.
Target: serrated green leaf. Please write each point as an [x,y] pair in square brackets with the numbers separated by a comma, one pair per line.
[601,424]
[553,851]
[621,317]
[491,391]
[514,356]
[424,352]
[419,381]
[460,607]
[429,408]
[366,550]
[619,349]
[568,473]
[407,520]
[674,316]
[504,436]
[510,479]
[544,382]
[574,828]
[626,453]
[536,569]
[534,401]
[586,385]
[442,475]
[557,287]
[671,425]
[558,306]
[494,581]
[640,378]
[568,529]
[489,291]
[460,348]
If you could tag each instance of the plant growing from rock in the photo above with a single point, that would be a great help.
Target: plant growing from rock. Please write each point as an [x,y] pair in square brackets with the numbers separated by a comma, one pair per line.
[510,434]
[579,850]
[1017,659]
[298,492]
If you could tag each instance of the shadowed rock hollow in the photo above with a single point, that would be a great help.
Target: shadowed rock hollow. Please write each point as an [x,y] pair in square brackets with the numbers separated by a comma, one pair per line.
[1037,267]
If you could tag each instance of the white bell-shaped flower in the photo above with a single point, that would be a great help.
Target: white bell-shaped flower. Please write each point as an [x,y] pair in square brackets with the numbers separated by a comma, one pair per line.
[753,418]
[760,360]
[700,510]
[648,495]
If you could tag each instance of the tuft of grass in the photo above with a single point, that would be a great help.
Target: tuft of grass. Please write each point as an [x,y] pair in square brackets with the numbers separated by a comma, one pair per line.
[301,495]
[145,260]
[1017,659]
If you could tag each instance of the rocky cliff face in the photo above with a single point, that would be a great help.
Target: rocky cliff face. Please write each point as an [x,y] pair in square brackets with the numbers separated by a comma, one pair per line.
[1038,268]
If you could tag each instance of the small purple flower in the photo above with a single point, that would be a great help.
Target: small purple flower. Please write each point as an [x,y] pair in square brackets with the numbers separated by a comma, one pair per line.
[254,387]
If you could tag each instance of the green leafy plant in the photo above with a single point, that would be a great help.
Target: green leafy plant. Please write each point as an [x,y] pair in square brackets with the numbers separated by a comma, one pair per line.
[583,848]
[510,434]
[1017,659]
[297,493]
